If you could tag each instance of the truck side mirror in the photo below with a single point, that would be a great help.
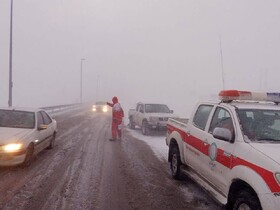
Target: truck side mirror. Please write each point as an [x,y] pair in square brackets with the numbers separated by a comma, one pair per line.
[223,134]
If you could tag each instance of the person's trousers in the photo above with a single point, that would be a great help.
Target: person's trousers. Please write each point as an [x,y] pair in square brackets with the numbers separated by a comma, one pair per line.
[116,130]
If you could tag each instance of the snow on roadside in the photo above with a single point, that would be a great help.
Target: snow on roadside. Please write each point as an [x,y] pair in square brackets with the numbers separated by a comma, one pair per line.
[156,142]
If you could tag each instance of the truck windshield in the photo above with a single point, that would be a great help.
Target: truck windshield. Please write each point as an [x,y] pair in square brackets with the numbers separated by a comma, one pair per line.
[156,108]
[260,125]
[17,119]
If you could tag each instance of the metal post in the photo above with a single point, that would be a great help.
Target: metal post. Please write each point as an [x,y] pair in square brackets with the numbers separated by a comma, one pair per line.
[10,101]
[222,63]
[81,83]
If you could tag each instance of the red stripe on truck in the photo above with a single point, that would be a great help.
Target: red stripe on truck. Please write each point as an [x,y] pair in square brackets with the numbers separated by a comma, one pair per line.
[228,161]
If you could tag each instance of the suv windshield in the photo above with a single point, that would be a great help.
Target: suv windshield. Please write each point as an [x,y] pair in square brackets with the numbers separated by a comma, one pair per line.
[17,119]
[156,108]
[260,125]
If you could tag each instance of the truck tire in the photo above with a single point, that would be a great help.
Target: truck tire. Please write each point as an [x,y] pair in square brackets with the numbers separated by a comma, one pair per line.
[144,128]
[175,163]
[131,123]
[246,199]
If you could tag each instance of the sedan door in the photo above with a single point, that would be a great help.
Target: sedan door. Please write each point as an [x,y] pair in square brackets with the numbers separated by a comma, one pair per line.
[44,133]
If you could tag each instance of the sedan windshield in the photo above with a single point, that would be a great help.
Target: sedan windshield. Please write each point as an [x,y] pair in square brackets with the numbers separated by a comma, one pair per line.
[157,108]
[17,119]
[260,125]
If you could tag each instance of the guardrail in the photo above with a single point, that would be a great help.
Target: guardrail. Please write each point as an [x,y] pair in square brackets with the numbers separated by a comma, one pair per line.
[60,108]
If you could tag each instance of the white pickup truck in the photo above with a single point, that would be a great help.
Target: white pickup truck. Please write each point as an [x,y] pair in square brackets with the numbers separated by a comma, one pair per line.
[149,116]
[231,148]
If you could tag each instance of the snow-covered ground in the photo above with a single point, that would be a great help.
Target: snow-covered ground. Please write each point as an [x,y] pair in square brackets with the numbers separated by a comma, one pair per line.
[158,145]
[156,142]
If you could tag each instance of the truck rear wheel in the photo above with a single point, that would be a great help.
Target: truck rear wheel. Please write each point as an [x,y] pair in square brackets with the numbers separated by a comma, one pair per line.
[246,200]
[131,123]
[175,163]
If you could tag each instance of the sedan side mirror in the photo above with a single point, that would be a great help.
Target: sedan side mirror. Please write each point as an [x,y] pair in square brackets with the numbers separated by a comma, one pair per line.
[42,127]
[171,111]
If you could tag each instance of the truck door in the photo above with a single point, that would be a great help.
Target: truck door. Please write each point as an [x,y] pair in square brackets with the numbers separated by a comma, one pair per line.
[195,137]
[217,163]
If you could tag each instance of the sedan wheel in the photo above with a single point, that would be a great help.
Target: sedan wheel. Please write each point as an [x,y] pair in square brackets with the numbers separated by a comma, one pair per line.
[52,142]
[28,156]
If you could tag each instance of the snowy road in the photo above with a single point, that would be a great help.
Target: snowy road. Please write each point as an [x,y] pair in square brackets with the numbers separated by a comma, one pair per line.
[87,171]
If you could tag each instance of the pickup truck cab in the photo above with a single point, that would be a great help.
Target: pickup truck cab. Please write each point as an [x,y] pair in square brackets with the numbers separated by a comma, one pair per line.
[149,116]
[231,148]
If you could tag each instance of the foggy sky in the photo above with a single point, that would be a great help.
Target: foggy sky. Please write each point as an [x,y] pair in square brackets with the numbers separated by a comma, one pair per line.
[139,50]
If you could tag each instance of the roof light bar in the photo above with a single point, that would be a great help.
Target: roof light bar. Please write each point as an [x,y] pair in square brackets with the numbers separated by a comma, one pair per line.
[229,95]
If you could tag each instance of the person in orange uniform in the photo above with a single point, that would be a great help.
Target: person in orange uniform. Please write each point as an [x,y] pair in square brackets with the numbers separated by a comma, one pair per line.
[117,115]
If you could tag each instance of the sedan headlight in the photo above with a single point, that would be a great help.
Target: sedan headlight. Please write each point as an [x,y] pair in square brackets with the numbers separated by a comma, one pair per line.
[94,108]
[11,147]
[277,176]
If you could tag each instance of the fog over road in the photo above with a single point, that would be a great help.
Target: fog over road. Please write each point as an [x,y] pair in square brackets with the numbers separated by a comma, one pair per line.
[87,171]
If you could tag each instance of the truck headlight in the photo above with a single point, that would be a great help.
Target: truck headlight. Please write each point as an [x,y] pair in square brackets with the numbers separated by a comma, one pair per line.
[11,147]
[277,176]
[153,119]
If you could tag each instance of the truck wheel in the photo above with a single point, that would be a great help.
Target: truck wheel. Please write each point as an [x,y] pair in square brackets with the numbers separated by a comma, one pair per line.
[175,163]
[245,199]
[131,124]
[145,129]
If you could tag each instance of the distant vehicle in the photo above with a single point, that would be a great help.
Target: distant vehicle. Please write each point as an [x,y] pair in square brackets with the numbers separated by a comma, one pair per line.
[100,106]
[231,148]
[24,132]
[149,116]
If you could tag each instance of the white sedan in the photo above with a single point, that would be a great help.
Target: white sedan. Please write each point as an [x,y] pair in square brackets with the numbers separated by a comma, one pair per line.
[24,132]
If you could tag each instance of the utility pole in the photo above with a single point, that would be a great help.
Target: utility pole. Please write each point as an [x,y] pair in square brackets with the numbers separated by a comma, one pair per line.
[222,63]
[81,82]
[97,88]
[10,101]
